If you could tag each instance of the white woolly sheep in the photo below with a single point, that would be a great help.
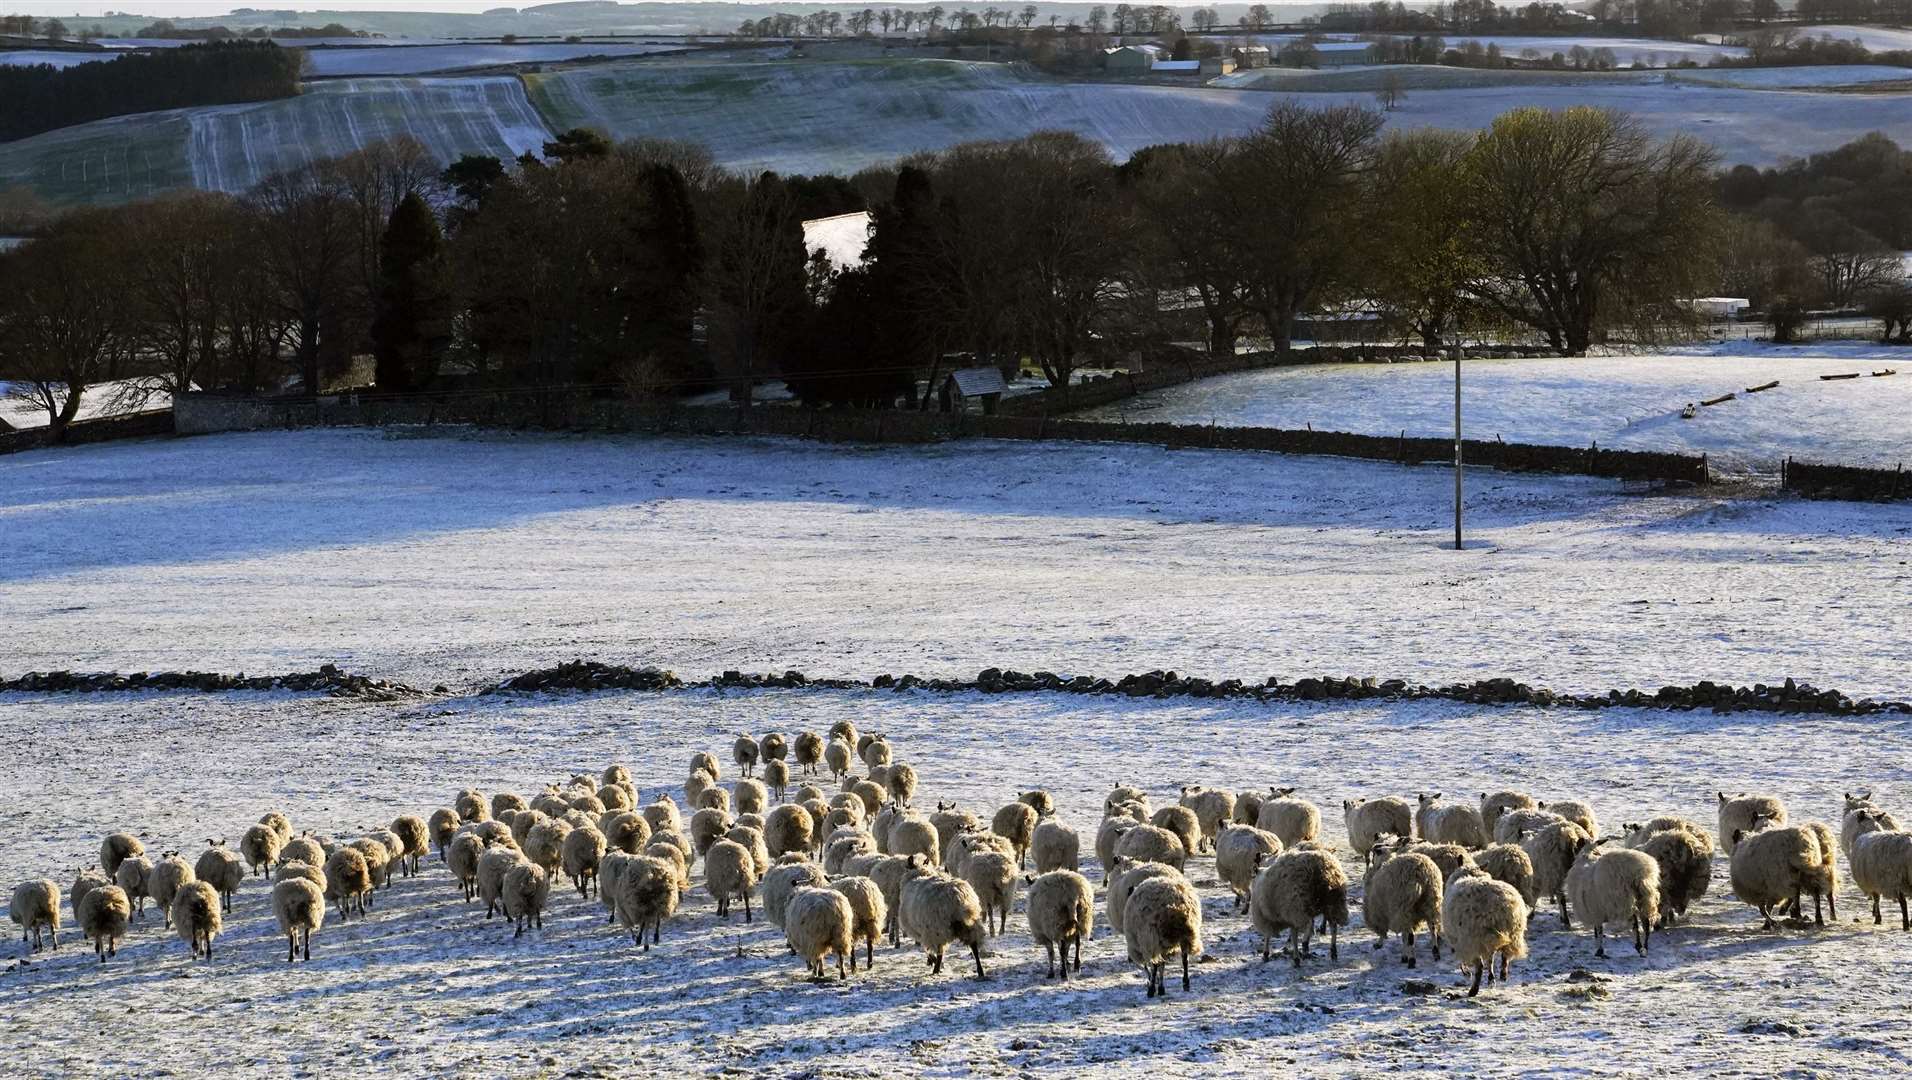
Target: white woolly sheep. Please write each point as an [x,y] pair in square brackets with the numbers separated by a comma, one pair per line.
[1108,837]
[443,826]
[86,881]
[164,881]
[773,747]
[1061,911]
[1138,812]
[1212,807]
[1492,806]
[873,795]
[750,796]
[839,756]
[615,797]
[626,831]
[1449,823]
[1552,850]
[1164,918]
[807,751]
[1508,864]
[1575,811]
[527,887]
[1367,820]
[302,849]
[116,849]
[1685,858]
[870,913]
[582,851]
[1239,852]
[883,822]
[260,848]
[348,879]
[1451,858]
[394,847]
[299,905]
[789,828]
[901,783]
[674,855]
[378,861]
[131,879]
[1122,795]
[647,894]
[745,753]
[1613,885]
[1851,825]
[776,777]
[1881,862]
[221,869]
[471,806]
[1016,823]
[880,776]
[1742,813]
[1248,807]
[1401,895]
[1293,820]
[704,762]
[843,848]
[196,917]
[522,823]
[414,838]
[1483,919]
[1055,847]
[707,827]
[876,753]
[714,798]
[661,815]
[506,802]
[951,819]
[1515,826]
[1778,863]
[957,852]
[1043,803]
[1124,876]
[462,861]
[1150,843]
[1291,892]
[788,875]
[751,838]
[493,865]
[1181,821]
[300,870]
[610,872]
[695,786]
[889,872]
[818,923]
[36,910]
[993,875]
[844,731]
[278,823]
[848,815]
[937,910]
[102,913]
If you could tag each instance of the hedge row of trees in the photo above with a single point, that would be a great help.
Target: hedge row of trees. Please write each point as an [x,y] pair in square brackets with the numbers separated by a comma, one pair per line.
[42,97]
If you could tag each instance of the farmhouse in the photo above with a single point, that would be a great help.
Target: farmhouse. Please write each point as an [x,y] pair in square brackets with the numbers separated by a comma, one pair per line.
[1134,59]
[1252,56]
[1341,53]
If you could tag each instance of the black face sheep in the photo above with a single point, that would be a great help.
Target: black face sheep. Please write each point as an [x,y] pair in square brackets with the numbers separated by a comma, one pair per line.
[1043,803]
[260,848]
[937,910]
[1164,918]
[102,915]
[1124,876]
[1483,919]
[876,753]
[661,815]
[707,827]
[505,802]
[1150,843]
[394,847]
[1515,826]
[1137,812]
[378,862]
[751,838]
[1239,852]
[1401,895]
[1552,850]
[1056,847]
[1181,821]
[527,888]
[1776,864]
[1575,811]
[870,914]
[1449,823]
[883,822]
[1367,820]
[1061,913]
[132,876]
[115,849]
[1851,825]
[745,753]
[582,851]
[1293,820]
[993,876]
[1507,863]
[1881,861]
[1742,814]
[846,815]
[789,828]
[1248,807]
[1492,806]
[302,871]
[838,756]
[808,751]
[443,826]
[299,905]
[1016,823]
[1614,885]
[1686,869]
[84,882]
[1107,838]
[220,869]
[471,806]
[1212,807]
[1294,890]
[901,783]
[818,924]
[348,879]
[36,909]
[163,883]
[1451,858]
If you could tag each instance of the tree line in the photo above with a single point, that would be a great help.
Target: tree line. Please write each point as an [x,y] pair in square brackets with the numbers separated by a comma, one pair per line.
[42,97]
[642,268]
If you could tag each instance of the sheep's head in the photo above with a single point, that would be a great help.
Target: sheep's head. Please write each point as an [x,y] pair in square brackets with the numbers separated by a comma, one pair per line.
[1723,800]
[1426,800]
[1281,793]
[1349,804]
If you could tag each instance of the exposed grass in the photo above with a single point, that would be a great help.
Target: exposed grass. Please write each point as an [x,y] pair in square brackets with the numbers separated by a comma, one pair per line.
[109,161]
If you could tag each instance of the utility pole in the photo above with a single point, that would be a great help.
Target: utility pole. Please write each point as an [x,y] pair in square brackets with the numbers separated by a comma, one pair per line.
[1457,444]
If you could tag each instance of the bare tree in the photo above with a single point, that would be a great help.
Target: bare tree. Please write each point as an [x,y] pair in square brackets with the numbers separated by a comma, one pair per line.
[1392,92]
[308,243]
[63,315]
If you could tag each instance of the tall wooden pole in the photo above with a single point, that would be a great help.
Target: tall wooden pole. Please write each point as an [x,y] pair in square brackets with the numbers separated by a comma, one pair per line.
[1457,445]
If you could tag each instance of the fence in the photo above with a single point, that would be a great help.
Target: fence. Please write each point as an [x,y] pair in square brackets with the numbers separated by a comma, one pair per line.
[1845,481]
[129,426]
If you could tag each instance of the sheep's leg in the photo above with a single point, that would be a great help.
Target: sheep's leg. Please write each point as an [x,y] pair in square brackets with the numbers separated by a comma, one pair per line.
[1877,919]
[1818,912]
[1479,966]
[1832,904]
[1905,920]
[291,947]
[1435,933]
[1264,948]
[1334,941]
[869,952]
[1184,969]
[657,928]
[1407,940]
[1294,945]
[1766,913]
[209,946]
[1503,965]
[305,942]
[841,977]
[1566,919]
[746,907]
[976,950]
[1078,952]
[1600,939]
[99,949]
[1049,949]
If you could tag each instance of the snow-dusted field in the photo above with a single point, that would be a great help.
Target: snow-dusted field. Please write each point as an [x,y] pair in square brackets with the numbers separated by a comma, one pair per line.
[1622,402]
[423,60]
[1796,78]
[1650,52]
[106,399]
[1875,38]
[425,986]
[460,558]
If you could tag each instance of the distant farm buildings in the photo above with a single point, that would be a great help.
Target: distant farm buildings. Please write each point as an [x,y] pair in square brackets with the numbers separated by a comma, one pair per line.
[1132,59]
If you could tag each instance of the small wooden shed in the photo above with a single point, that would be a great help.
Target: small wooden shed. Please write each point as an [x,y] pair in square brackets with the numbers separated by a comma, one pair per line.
[980,384]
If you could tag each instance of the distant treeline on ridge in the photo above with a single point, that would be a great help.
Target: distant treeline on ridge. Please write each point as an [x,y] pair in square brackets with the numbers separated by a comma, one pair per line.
[42,97]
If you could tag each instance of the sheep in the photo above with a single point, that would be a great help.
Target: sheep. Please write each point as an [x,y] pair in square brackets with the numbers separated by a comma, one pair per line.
[844,848]
[377,862]
[901,783]
[993,875]
[915,836]
[36,909]
[789,874]
[1634,835]
[847,815]
[1740,814]
[704,762]
[869,912]
[951,819]
[1610,884]
[1402,893]
[937,910]
[615,798]
[348,879]
[505,802]
[1061,911]
[714,798]
[470,804]
[679,862]
[1150,843]
[1164,917]
[750,796]
[1451,824]
[196,918]
[961,846]
[752,840]
[527,887]
[818,923]
[86,881]
[300,870]
[807,750]
[707,826]
[626,831]
[221,869]
[411,833]
[443,826]
[582,851]
[1055,847]
[745,753]
[302,849]
[1239,850]
[772,747]
[1881,861]
[844,731]
[1122,794]
[1552,851]
[861,865]
[1852,824]
[1124,877]
[1294,890]
[1138,812]
[116,849]
[299,905]
[877,753]
[102,912]
[1575,811]
[1016,823]
[1494,805]
[260,848]
[1482,919]
[838,756]
[1515,826]
[1777,863]
[890,872]
[789,828]
[1108,837]
[394,849]
[1043,803]
[164,881]
[462,861]
[883,822]
[776,776]
[1293,820]
[646,896]
[1685,859]
[1368,820]
[872,793]
[278,823]
[1181,821]
[1248,807]
[695,786]
[1213,808]
[131,878]
[1451,858]
[662,816]
[880,776]
[1509,864]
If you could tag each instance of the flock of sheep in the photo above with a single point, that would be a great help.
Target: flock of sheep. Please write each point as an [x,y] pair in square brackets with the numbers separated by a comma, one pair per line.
[840,870]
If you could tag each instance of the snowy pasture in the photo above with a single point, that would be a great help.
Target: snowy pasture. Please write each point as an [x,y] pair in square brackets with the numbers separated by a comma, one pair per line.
[1820,76]
[1650,52]
[1622,402]
[424,985]
[425,59]
[106,399]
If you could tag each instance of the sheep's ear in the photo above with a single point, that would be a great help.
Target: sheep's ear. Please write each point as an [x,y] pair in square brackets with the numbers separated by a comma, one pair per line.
[1030,878]
[1722,798]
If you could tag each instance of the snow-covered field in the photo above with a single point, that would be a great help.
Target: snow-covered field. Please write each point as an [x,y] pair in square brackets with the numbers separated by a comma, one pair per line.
[106,399]
[1622,402]
[1875,38]
[1651,52]
[59,58]
[1793,78]
[423,60]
